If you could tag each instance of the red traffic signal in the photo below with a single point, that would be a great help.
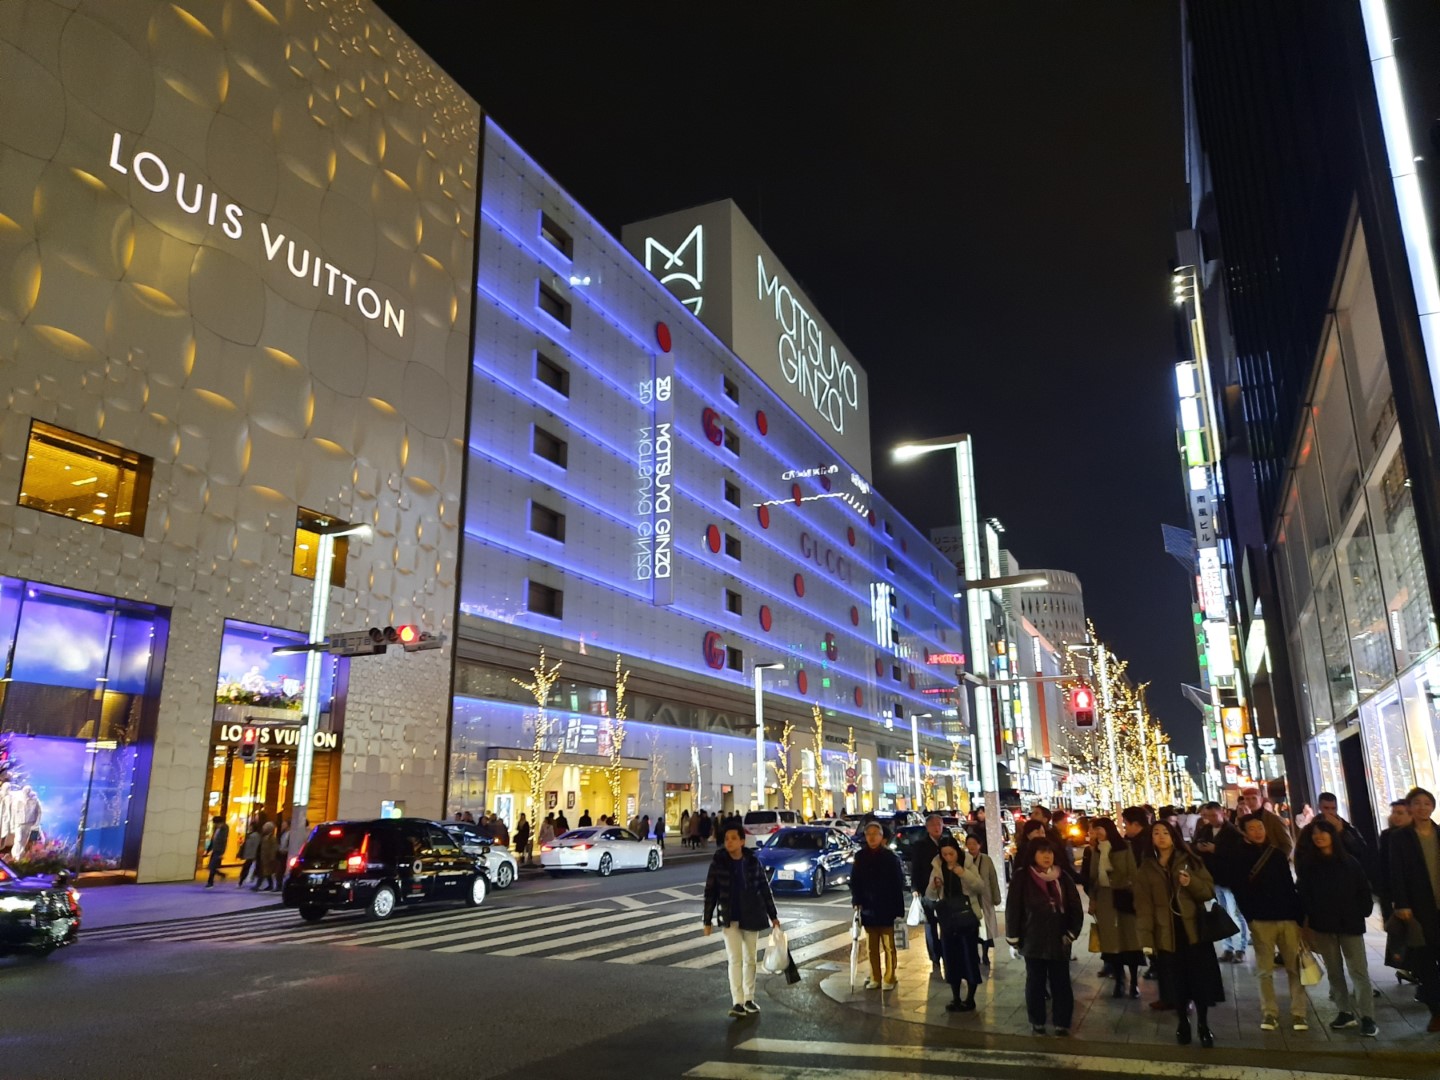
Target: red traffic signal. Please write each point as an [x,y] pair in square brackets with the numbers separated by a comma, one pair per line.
[407,634]
[1082,704]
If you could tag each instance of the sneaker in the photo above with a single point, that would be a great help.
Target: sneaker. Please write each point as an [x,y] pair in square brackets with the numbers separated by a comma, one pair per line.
[1037,1029]
[871,984]
[1300,1025]
[751,1008]
[1344,1020]
[891,985]
[737,1010]
[1368,1027]
[1064,1033]
[211,885]
[1270,1023]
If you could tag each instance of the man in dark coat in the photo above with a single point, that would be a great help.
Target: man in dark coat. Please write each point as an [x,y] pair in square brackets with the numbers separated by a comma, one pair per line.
[219,839]
[738,898]
[877,891]
[1415,890]
[922,857]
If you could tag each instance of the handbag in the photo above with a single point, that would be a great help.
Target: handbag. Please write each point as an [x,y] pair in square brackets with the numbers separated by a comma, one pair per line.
[1123,900]
[1309,968]
[1094,938]
[916,914]
[1216,924]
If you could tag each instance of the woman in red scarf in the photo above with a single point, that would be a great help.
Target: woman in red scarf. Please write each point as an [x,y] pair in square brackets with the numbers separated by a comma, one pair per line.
[1042,917]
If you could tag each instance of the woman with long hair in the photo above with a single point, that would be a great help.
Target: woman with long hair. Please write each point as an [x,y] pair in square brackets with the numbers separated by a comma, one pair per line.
[1335,893]
[1042,917]
[955,888]
[1108,874]
[1171,888]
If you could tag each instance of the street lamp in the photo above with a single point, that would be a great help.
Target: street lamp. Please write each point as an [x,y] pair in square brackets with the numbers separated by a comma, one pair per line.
[915,756]
[773,665]
[974,598]
[310,699]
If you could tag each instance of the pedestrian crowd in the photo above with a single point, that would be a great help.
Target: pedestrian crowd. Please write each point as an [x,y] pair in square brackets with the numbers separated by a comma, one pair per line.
[262,852]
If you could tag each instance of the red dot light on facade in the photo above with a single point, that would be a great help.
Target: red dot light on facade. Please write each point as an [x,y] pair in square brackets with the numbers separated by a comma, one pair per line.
[662,336]
[850,534]
[859,697]
[802,682]
[799,584]
[765,618]
[710,424]
[713,649]
[903,545]
[907,611]
[912,680]
[797,494]
[871,516]
[762,422]
[712,538]
[763,513]
[825,482]
[854,616]
[879,667]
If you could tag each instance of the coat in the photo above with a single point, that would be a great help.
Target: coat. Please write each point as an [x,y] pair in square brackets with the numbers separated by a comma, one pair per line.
[1334,893]
[219,839]
[1116,928]
[922,856]
[1043,932]
[877,886]
[757,908]
[250,846]
[1410,883]
[985,867]
[972,884]
[1158,892]
[1267,894]
[270,854]
[1227,840]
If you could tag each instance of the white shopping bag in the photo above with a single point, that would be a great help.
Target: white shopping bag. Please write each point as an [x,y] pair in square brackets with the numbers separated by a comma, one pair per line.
[777,954]
[916,914]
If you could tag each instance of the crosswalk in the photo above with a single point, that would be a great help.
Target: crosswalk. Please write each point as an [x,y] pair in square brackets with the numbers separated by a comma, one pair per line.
[660,927]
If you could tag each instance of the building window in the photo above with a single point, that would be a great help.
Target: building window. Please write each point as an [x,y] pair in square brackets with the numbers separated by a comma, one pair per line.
[733,603]
[543,600]
[734,659]
[732,441]
[553,304]
[888,530]
[889,565]
[553,375]
[731,390]
[895,637]
[550,447]
[732,546]
[307,547]
[895,672]
[732,493]
[556,237]
[547,522]
[85,479]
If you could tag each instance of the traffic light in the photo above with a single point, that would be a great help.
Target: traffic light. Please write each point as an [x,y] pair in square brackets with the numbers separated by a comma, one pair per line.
[383,636]
[249,743]
[421,640]
[1082,704]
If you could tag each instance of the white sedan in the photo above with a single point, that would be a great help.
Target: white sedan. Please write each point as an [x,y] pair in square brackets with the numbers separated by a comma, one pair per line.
[500,864]
[604,848]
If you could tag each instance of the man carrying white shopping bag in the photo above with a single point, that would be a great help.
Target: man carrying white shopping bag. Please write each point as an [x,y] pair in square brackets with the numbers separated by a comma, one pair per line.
[738,897]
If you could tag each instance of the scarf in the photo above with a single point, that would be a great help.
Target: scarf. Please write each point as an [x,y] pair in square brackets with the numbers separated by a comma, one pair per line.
[1049,882]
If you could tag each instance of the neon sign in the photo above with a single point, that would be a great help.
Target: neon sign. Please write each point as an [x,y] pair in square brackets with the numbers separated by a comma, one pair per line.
[956,659]
[654,504]
[829,382]
[695,245]
[827,558]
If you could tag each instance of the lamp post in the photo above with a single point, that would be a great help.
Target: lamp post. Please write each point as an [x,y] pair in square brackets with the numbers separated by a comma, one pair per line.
[773,665]
[915,757]
[310,699]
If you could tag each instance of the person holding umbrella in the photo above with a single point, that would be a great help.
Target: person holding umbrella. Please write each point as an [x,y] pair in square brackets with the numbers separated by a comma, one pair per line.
[877,891]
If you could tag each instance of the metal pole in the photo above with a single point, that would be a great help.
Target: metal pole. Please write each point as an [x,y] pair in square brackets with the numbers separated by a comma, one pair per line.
[919,802]
[759,742]
[310,699]
[1109,726]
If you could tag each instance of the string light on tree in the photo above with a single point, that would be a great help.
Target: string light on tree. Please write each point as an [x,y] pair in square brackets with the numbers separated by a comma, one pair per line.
[537,768]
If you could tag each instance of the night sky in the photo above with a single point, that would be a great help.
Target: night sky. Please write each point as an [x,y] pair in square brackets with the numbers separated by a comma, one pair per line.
[980,198]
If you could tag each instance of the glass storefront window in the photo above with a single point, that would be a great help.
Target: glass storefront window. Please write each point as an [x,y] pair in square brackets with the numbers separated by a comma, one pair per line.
[1328,771]
[1420,689]
[1314,669]
[85,479]
[1312,503]
[1335,639]
[1402,568]
[1371,399]
[1387,746]
[1335,432]
[1364,600]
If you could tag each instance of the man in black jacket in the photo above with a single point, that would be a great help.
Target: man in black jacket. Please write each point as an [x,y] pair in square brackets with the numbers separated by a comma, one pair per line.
[1218,842]
[922,858]
[1260,875]
[1415,892]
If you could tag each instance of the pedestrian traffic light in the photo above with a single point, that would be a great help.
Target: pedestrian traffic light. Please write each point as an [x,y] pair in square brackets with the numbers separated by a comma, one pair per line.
[249,743]
[1082,704]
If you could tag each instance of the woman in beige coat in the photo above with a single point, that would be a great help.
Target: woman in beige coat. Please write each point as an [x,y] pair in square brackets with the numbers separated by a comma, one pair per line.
[1171,888]
[1108,874]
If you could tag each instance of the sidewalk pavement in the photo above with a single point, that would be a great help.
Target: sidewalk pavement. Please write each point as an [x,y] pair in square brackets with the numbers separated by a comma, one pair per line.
[1101,1019]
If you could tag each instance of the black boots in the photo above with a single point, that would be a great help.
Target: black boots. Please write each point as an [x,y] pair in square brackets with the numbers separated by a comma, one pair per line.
[1182,1033]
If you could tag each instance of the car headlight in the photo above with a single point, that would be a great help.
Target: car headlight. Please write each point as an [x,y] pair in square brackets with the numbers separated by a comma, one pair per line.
[797,866]
[16,903]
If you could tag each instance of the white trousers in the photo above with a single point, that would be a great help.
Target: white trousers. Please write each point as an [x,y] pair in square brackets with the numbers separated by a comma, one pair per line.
[740,949]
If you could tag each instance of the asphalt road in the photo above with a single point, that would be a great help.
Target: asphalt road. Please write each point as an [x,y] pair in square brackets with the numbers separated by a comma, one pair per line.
[480,993]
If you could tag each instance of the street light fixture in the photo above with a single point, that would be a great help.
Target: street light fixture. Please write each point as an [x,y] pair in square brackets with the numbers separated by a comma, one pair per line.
[1013,581]
[773,665]
[310,699]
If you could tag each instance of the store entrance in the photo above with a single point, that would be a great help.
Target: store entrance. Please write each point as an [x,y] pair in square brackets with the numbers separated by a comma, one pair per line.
[261,791]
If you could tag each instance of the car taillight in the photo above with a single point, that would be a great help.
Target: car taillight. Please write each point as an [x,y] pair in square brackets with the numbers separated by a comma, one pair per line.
[581,847]
[355,863]
[774,828]
[546,847]
[293,860]
[72,897]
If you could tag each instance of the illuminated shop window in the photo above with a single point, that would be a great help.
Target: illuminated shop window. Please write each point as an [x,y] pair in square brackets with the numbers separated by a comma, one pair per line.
[553,375]
[732,441]
[543,600]
[547,522]
[731,390]
[732,493]
[732,546]
[552,303]
[307,547]
[733,602]
[85,479]
[550,447]
[556,237]
[734,659]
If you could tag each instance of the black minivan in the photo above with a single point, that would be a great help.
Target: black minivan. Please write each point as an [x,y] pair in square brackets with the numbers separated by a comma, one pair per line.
[381,865]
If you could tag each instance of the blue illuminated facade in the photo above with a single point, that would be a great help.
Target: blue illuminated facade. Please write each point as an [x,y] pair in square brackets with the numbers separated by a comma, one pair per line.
[634,488]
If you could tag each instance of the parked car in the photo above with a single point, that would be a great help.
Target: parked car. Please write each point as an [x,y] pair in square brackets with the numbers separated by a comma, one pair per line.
[37,914]
[602,848]
[500,864]
[845,825]
[764,822]
[379,866]
[810,858]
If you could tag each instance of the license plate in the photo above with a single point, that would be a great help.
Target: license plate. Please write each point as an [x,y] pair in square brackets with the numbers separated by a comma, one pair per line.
[318,879]
[786,875]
